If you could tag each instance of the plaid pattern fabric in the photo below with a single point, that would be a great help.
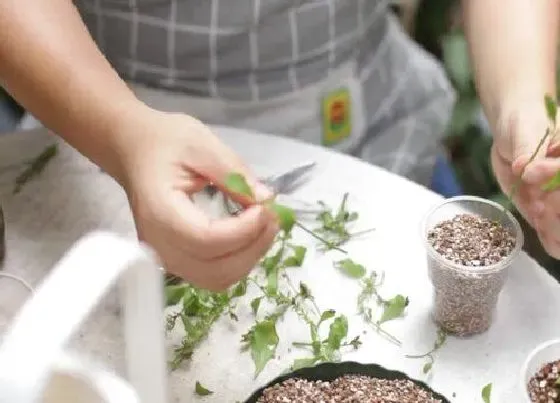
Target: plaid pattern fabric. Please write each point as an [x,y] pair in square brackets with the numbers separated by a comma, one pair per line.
[251,50]
[232,49]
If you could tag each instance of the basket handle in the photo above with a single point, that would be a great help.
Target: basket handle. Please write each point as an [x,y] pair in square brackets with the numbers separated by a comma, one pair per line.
[63,301]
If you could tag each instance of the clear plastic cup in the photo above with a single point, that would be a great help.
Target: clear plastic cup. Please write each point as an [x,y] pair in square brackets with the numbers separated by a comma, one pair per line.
[465,297]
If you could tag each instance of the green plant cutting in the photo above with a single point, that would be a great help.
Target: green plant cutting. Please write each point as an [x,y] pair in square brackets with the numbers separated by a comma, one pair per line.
[197,310]
[441,337]
[35,167]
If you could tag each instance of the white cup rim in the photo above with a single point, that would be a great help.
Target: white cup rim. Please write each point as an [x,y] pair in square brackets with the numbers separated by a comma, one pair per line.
[524,373]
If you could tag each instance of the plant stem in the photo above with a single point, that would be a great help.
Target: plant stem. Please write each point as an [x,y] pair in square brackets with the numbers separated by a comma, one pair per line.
[320,238]
[519,180]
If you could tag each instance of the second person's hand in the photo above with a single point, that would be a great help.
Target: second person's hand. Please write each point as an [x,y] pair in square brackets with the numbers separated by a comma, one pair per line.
[167,158]
[517,138]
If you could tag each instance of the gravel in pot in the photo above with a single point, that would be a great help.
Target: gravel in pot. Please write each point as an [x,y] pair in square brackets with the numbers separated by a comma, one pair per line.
[346,382]
[471,244]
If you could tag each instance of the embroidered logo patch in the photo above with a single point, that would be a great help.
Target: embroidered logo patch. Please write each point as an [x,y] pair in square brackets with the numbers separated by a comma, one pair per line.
[336,112]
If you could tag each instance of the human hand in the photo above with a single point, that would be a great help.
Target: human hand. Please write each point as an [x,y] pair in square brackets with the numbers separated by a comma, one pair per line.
[524,162]
[167,158]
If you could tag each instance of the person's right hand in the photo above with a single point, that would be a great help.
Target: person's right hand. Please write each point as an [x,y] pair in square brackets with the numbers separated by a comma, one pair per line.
[518,135]
[164,159]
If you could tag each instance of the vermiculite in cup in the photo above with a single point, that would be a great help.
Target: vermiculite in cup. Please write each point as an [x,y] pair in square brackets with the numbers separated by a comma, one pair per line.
[465,292]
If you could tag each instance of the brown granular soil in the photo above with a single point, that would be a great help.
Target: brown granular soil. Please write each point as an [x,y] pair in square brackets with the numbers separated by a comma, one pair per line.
[542,388]
[471,240]
[347,389]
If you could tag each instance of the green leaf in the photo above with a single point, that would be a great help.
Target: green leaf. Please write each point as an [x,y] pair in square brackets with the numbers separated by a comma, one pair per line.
[326,315]
[263,343]
[296,260]
[553,183]
[304,291]
[551,108]
[201,390]
[174,293]
[337,332]
[351,268]
[236,183]
[240,289]
[303,363]
[427,367]
[272,280]
[393,308]
[255,304]
[486,392]
[557,381]
[286,216]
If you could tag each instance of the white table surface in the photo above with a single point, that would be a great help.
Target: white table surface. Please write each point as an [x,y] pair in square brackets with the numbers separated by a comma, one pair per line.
[73,197]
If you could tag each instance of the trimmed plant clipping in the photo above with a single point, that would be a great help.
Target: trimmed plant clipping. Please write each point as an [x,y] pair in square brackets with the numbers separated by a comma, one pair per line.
[273,294]
[544,385]
[348,388]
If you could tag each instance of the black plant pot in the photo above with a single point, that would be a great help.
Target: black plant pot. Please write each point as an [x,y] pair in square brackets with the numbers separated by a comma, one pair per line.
[331,371]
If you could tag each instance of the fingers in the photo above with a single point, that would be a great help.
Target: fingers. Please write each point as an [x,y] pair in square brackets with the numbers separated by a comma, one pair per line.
[212,238]
[539,172]
[216,161]
[239,264]
[219,274]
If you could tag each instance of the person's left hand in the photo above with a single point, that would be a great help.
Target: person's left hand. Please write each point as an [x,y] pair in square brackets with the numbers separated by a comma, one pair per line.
[517,137]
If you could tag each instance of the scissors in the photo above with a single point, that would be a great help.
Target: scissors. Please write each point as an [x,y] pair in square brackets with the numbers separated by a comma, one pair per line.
[284,183]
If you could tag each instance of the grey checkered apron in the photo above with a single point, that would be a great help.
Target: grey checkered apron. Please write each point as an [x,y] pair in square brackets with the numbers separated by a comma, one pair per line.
[252,50]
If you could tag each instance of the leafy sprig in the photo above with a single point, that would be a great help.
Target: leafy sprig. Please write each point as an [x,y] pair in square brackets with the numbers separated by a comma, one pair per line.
[198,311]
[334,224]
[327,349]
[391,309]
[201,390]
[441,337]
[236,183]
[35,167]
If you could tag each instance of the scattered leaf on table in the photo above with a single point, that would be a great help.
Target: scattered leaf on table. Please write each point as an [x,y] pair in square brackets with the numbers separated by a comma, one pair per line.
[296,260]
[326,315]
[263,342]
[351,268]
[236,183]
[201,390]
[337,332]
[286,216]
[255,304]
[240,289]
[427,367]
[486,392]
[553,183]
[551,108]
[174,293]
[393,308]
[35,167]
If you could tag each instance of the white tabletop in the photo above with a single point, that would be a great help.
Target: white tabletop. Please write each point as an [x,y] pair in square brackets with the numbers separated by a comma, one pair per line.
[73,197]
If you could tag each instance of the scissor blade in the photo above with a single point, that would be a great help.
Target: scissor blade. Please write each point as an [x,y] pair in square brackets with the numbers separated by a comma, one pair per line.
[291,180]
